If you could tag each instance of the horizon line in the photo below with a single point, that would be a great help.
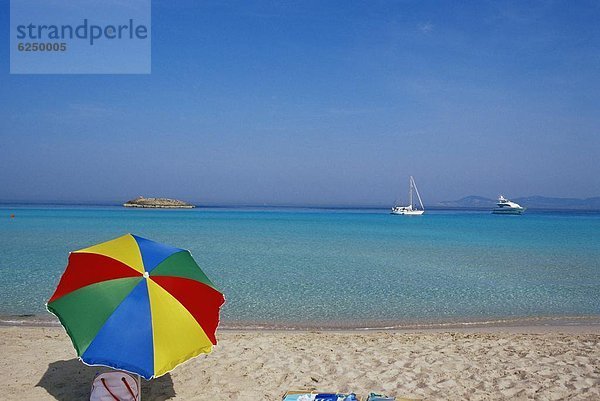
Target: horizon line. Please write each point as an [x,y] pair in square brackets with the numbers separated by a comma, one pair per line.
[265,204]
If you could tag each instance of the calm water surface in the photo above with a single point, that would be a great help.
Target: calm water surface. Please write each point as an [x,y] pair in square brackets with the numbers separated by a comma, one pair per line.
[319,267]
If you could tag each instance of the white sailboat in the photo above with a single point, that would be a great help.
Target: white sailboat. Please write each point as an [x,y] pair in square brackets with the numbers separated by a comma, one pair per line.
[410,210]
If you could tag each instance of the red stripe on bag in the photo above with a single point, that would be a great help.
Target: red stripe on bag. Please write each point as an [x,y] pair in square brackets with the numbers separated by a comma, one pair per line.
[107,389]
[129,388]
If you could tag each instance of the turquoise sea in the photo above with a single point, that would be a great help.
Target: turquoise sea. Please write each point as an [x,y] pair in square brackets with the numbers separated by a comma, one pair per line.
[336,268]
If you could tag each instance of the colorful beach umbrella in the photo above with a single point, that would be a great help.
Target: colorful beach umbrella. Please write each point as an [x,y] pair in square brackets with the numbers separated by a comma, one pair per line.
[137,305]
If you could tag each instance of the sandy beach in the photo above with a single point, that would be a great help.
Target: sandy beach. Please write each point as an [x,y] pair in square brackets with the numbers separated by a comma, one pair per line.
[558,363]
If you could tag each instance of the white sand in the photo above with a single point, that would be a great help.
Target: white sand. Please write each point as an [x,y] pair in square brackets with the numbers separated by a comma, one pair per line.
[39,364]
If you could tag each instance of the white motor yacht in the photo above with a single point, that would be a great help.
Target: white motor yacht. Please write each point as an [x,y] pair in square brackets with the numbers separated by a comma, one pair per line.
[507,207]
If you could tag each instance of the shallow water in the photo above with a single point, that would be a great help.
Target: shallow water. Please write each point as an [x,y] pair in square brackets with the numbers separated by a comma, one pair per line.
[333,268]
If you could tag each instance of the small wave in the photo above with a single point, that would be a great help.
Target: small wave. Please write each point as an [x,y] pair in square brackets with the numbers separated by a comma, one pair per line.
[540,321]
[28,320]
[536,321]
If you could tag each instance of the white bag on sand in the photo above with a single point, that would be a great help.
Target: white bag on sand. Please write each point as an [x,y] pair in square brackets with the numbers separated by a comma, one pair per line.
[115,386]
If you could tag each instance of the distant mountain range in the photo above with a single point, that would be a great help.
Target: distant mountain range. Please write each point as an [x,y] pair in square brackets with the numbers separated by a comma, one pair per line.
[532,202]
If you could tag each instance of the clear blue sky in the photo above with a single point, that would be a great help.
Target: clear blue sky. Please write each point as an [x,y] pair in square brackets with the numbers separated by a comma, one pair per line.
[319,102]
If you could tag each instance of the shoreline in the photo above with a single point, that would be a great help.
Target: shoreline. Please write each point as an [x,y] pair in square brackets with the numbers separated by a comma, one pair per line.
[539,324]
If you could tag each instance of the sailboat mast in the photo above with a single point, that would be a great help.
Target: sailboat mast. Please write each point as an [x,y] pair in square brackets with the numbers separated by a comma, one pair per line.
[417,191]
[410,189]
